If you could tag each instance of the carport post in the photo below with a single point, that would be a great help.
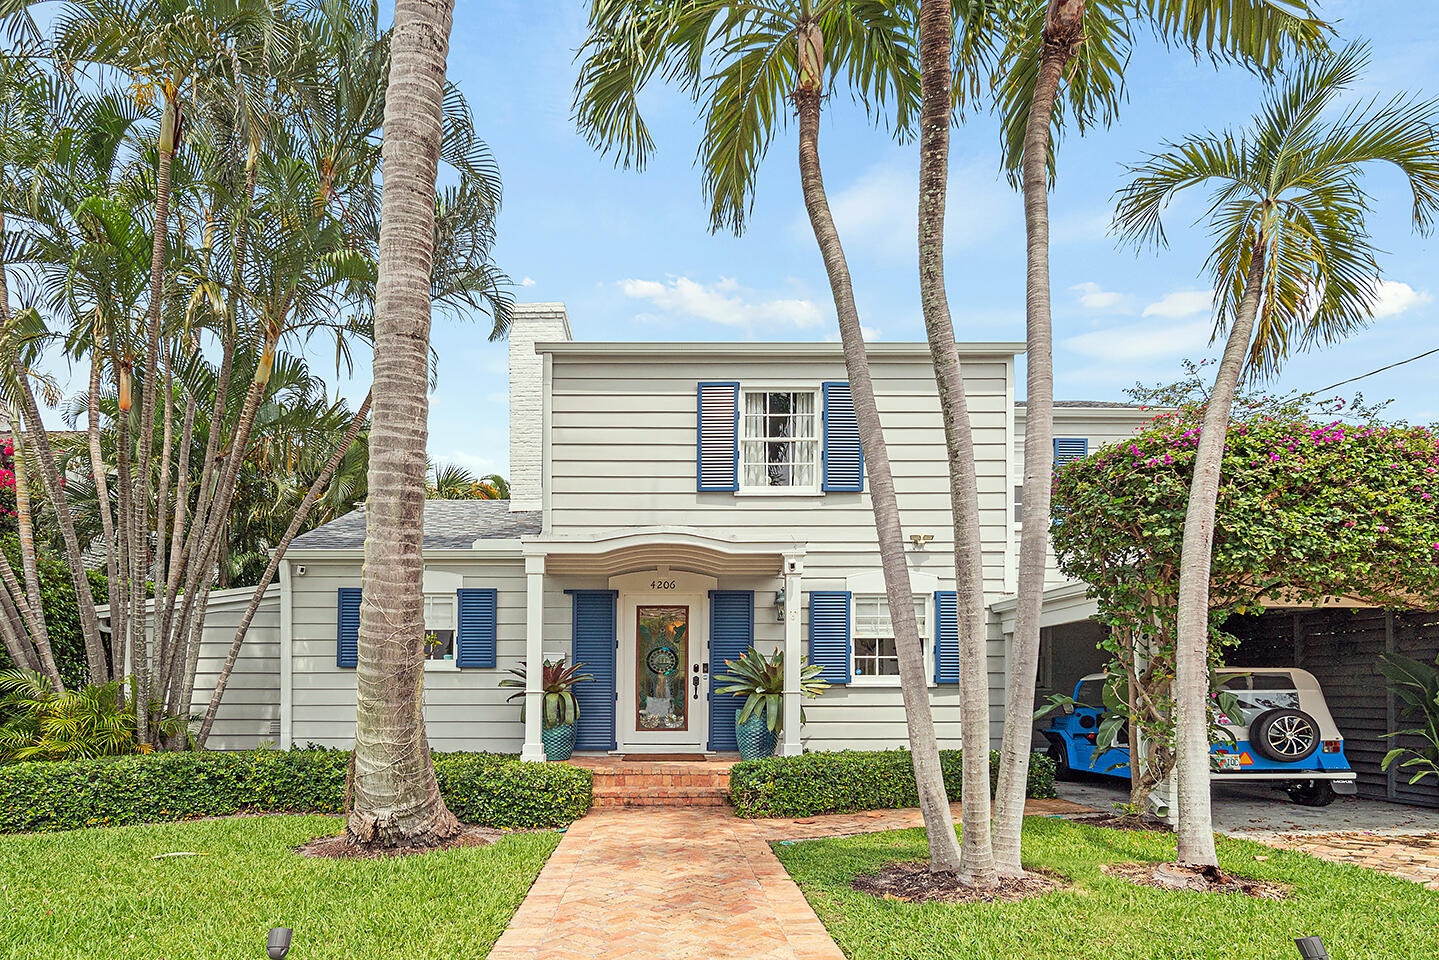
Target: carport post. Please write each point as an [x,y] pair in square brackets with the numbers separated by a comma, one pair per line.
[793,570]
[534,747]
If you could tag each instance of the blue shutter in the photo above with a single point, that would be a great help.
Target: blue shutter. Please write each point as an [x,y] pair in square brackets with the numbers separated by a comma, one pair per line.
[717,436]
[1069,448]
[946,637]
[475,638]
[731,634]
[347,627]
[843,458]
[594,646]
[829,634]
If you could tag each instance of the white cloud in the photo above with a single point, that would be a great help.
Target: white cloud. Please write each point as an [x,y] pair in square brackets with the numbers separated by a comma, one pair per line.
[1181,303]
[527,281]
[1094,297]
[1392,298]
[867,333]
[722,302]
[1141,341]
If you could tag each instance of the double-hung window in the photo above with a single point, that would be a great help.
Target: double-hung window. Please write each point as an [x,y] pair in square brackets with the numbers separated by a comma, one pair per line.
[441,619]
[876,656]
[780,446]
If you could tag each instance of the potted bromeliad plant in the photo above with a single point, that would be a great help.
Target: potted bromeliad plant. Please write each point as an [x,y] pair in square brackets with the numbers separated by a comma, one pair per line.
[760,680]
[561,710]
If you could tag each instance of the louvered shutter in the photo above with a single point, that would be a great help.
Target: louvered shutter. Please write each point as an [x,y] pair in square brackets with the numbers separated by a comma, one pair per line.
[347,627]
[946,637]
[829,645]
[717,437]
[594,646]
[731,635]
[1069,448]
[843,458]
[478,622]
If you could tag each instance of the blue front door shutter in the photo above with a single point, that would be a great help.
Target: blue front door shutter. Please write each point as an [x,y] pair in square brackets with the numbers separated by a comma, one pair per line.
[717,436]
[477,627]
[1069,448]
[731,634]
[843,458]
[595,647]
[829,634]
[347,627]
[946,637]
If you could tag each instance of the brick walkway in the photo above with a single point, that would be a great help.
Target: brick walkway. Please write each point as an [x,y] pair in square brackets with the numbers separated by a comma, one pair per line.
[665,883]
[1411,857]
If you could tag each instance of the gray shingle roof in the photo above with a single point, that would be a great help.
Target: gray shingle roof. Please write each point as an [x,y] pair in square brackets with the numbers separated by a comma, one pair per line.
[449,525]
[1102,404]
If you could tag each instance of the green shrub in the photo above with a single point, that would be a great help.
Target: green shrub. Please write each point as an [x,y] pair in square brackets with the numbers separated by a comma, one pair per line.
[491,790]
[62,612]
[849,780]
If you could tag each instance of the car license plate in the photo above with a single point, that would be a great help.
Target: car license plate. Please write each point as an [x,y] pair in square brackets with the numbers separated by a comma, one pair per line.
[1228,761]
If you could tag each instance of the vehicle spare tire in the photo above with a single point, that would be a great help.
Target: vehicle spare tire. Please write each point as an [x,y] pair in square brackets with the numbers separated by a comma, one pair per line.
[1284,736]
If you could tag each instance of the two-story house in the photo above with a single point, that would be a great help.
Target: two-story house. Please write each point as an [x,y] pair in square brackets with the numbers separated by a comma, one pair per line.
[671,504]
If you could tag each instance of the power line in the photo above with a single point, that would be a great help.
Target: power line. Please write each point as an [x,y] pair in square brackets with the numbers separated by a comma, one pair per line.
[1371,373]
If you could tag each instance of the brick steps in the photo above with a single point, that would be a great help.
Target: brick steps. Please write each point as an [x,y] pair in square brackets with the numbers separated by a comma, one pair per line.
[661,785]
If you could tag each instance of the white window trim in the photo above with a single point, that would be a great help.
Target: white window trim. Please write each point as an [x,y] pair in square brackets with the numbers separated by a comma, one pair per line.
[921,584]
[441,585]
[815,489]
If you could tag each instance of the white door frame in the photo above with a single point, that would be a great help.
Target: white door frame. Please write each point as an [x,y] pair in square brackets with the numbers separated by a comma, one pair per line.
[662,586]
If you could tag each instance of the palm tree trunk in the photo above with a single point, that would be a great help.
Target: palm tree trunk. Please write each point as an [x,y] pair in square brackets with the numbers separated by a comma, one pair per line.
[936,40]
[1063,32]
[278,554]
[1191,656]
[102,496]
[31,608]
[944,848]
[34,657]
[396,797]
[12,630]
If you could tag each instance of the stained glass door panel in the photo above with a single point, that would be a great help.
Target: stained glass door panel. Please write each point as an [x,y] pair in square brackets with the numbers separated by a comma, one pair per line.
[662,657]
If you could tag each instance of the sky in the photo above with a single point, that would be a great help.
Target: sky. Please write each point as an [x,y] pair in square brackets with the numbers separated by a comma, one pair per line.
[631,255]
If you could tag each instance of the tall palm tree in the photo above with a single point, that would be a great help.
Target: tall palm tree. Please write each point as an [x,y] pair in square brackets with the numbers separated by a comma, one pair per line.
[750,64]
[1294,268]
[396,797]
[1058,56]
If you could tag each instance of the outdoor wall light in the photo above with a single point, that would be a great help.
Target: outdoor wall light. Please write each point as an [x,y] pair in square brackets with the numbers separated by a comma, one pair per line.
[779,604]
[279,943]
[1311,948]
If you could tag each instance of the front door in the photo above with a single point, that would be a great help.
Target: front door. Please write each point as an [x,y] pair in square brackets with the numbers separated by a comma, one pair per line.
[663,665]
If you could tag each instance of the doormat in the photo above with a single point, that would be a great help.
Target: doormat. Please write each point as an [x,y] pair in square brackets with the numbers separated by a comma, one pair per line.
[661,757]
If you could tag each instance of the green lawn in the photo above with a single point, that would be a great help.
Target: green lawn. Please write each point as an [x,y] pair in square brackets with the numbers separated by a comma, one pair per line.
[1360,914]
[97,893]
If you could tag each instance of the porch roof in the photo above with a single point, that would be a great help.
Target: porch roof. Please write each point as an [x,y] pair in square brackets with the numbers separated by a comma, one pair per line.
[679,548]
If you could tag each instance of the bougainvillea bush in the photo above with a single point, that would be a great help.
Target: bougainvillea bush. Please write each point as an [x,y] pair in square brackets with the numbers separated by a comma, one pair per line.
[1307,511]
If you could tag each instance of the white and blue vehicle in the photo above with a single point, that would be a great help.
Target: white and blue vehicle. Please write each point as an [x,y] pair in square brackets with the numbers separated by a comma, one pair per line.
[1279,732]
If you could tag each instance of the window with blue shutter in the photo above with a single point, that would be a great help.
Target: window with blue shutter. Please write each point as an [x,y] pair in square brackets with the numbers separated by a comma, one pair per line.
[843,458]
[594,646]
[717,436]
[946,637]
[347,627]
[1069,448]
[478,627]
[731,635]
[829,634]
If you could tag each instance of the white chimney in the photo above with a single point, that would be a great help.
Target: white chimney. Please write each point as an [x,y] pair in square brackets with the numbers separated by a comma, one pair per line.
[531,323]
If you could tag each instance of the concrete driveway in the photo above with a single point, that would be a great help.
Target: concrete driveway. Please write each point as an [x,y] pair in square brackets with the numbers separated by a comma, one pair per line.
[1256,811]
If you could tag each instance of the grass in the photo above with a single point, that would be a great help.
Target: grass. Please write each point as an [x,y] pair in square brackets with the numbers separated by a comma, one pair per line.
[1361,915]
[98,893]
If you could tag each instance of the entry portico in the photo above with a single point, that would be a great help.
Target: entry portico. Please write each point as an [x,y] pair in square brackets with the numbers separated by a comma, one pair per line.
[674,605]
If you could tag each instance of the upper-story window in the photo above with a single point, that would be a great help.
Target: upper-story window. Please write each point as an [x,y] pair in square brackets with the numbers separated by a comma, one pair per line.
[780,444]
[875,653]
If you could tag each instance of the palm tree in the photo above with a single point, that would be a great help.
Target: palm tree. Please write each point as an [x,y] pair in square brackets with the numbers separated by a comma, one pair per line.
[396,798]
[750,64]
[1078,47]
[1294,267]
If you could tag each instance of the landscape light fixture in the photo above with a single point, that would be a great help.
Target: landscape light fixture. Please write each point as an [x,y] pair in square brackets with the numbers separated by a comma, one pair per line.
[279,943]
[1311,948]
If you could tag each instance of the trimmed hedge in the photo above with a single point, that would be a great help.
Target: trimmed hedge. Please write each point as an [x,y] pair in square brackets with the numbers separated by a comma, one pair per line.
[847,780]
[488,789]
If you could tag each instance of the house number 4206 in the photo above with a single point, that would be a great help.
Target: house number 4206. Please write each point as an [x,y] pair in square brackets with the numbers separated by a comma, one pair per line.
[662,584]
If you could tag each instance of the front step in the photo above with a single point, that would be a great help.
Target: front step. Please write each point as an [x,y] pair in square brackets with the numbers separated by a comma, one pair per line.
[661,785]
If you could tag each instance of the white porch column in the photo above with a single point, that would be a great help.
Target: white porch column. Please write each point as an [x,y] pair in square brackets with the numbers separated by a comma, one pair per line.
[534,748]
[793,655]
